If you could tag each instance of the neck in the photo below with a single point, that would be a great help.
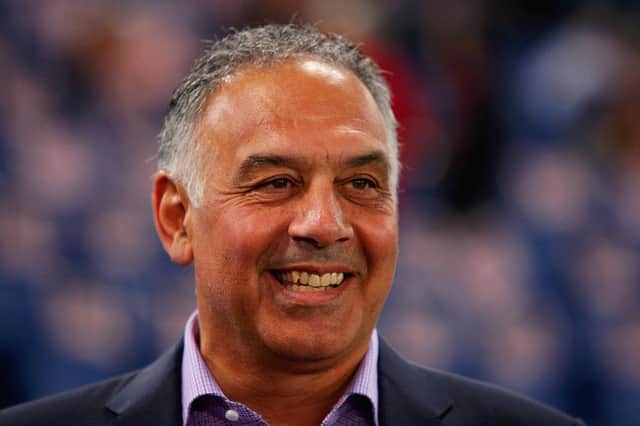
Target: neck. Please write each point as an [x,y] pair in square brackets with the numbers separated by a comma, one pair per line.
[282,391]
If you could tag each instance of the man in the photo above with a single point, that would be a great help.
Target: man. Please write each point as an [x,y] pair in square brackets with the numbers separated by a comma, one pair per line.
[278,173]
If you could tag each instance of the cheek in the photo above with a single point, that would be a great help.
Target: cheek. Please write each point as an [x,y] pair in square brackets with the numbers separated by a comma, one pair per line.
[243,234]
[227,255]
[379,238]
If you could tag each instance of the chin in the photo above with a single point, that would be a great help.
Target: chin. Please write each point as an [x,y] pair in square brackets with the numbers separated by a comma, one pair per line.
[310,350]
[311,345]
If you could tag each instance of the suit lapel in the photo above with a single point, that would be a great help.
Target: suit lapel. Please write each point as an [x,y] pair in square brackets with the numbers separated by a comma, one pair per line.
[406,396]
[153,396]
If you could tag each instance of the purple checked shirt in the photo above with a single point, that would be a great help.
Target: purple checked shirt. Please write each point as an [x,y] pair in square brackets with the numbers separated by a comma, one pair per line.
[204,403]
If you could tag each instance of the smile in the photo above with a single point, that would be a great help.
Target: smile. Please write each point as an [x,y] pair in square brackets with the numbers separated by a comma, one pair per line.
[305,281]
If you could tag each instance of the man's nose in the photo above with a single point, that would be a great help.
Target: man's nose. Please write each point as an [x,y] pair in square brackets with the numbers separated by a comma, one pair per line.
[320,219]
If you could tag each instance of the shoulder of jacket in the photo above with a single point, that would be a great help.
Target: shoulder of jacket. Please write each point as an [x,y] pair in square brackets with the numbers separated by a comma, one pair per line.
[468,398]
[82,405]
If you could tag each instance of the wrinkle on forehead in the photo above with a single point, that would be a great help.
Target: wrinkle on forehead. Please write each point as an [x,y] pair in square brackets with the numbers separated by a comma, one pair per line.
[354,128]
[276,121]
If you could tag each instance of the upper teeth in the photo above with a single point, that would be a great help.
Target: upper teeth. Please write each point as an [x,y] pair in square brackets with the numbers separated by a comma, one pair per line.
[314,280]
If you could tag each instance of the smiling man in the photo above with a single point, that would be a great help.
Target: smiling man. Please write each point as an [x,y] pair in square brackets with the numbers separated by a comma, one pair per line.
[277,179]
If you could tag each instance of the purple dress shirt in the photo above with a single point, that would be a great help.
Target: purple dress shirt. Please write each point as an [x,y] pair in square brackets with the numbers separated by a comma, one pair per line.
[204,403]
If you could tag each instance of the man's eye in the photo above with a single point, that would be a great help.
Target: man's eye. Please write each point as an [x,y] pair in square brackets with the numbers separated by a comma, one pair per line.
[362,184]
[278,183]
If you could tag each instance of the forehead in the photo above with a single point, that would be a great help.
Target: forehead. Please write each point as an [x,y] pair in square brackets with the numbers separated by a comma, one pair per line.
[305,98]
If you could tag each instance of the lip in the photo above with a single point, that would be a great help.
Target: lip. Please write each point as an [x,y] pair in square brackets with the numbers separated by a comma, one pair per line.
[308,298]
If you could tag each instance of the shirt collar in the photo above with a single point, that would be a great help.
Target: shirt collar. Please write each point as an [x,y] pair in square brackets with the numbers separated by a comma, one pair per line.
[196,377]
[365,381]
[197,380]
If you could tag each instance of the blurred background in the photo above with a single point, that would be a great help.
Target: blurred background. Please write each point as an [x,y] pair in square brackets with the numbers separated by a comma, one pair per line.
[520,224]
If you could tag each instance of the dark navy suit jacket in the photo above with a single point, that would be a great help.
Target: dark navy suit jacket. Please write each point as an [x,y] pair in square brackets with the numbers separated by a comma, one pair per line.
[408,395]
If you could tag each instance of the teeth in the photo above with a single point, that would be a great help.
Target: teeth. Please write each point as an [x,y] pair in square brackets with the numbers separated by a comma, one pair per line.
[314,280]
[325,280]
[304,288]
[310,282]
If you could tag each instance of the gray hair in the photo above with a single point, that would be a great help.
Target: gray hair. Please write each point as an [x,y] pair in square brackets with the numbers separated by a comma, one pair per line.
[262,46]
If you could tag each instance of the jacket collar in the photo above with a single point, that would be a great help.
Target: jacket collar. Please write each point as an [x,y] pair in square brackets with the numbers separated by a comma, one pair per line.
[408,393]
[152,396]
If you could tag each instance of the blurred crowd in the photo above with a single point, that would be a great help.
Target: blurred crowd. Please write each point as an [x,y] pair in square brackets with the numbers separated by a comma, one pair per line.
[520,204]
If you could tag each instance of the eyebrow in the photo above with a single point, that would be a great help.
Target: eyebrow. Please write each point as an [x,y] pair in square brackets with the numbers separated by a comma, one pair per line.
[259,161]
[255,162]
[369,158]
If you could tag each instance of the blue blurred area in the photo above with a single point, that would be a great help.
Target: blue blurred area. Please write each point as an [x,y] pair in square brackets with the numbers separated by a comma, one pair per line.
[520,227]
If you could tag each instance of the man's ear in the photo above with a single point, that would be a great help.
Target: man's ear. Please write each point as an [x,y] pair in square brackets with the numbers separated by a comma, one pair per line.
[172,215]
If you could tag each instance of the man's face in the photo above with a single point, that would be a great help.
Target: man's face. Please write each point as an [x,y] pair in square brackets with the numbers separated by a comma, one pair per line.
[295,243]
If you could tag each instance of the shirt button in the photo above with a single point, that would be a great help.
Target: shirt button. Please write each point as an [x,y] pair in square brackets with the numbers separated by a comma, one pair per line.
[232,415]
